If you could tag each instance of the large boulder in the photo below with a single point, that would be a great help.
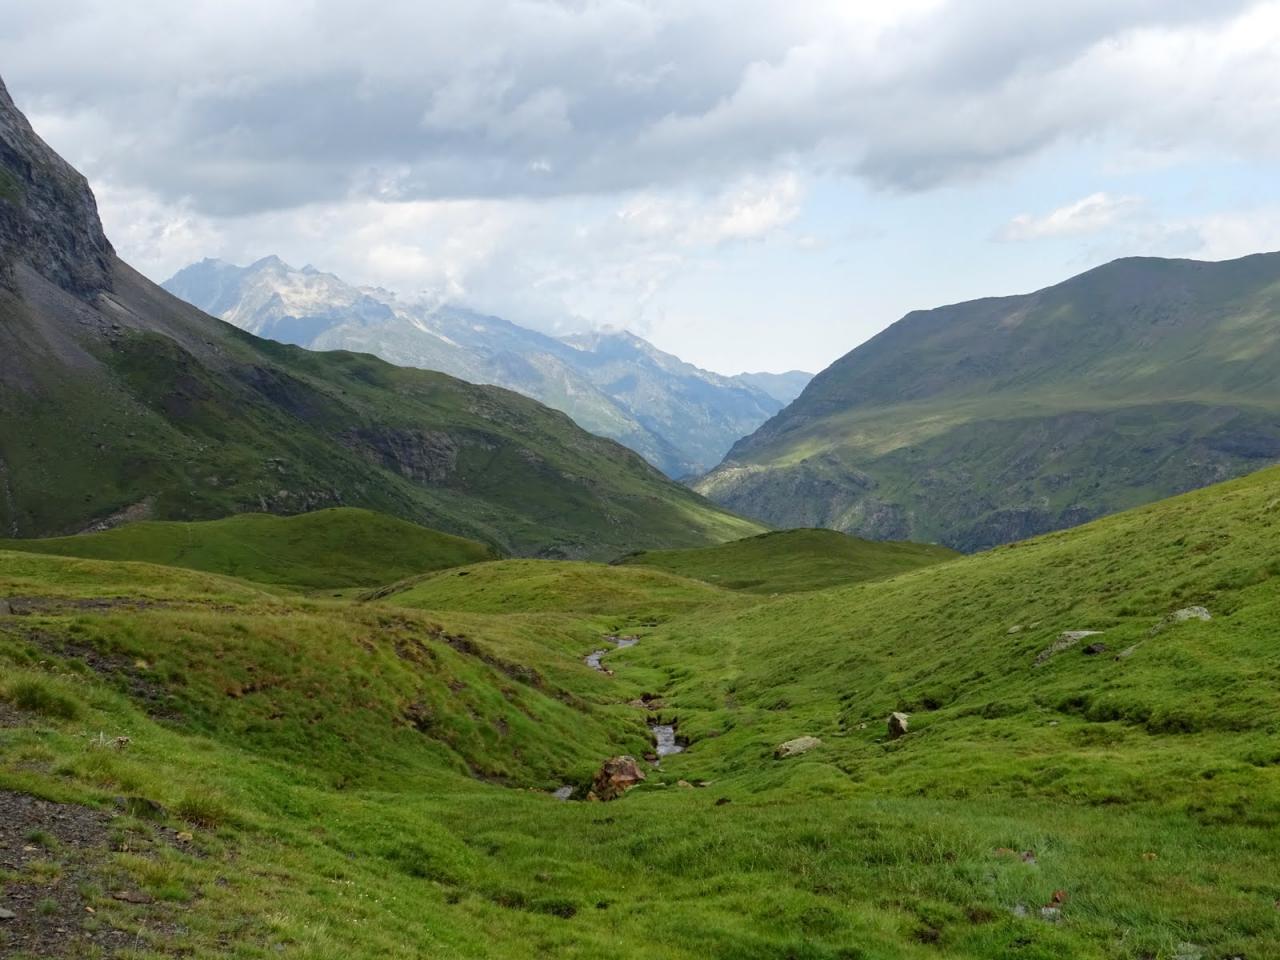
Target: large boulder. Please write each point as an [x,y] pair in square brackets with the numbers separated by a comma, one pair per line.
[793,748]
[898,724]
[616,776]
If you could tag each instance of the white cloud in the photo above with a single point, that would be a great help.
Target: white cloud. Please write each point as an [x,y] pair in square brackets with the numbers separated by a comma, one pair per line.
[1091,214]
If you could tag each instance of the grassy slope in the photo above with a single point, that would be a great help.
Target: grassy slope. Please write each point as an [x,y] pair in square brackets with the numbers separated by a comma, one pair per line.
[547,586]
[340,547]
[989,421]
[789,561]
[1148,787]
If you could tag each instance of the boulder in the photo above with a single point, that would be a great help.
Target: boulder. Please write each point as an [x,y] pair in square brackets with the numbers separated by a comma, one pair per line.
[1066,640]
[1093,649]
[793,748]
[616,776]
[1190,613]
[898,724]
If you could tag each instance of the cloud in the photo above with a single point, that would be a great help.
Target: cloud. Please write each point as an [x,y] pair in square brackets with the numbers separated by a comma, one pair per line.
[238,107]
[1094,213]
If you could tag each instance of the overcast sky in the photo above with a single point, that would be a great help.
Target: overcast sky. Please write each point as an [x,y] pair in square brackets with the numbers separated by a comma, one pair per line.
[749,184]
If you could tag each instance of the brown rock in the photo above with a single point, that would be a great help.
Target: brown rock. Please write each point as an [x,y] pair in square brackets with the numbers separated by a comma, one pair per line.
[898,724]
[616,776]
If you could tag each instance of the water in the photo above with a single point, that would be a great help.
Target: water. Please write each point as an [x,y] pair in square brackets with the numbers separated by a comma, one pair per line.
[593,658]
[664,739]
[563,793]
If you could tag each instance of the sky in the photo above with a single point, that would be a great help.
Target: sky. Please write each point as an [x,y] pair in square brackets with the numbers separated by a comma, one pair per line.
[751,185]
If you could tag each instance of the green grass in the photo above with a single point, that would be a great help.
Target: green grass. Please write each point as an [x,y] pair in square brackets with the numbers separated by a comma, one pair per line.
[336,548]
[367,778]
[790,561]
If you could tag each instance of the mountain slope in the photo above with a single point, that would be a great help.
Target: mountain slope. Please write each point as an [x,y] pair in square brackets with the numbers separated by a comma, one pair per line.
[119,400]
[984,422]
[680,418]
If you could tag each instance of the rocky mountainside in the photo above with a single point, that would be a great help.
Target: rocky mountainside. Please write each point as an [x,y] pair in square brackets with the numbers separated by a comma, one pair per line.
[118,400]
[986,422]
[680,418]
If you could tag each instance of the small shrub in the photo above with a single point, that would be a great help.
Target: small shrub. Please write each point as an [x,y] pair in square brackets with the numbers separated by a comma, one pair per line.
[203,810]
[38,696]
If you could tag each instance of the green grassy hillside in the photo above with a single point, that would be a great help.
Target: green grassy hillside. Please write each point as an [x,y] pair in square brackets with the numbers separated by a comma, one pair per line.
[991,421]
[789,561]
[325,779]
[341,547]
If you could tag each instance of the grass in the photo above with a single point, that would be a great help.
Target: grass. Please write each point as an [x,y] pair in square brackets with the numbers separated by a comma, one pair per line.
[791,561]
[327,549]
[368,777]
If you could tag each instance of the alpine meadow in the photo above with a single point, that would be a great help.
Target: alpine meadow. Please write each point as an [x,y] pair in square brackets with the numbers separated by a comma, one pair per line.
[518,595]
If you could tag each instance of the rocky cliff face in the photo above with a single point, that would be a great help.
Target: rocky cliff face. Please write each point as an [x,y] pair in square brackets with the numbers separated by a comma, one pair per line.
[48,216]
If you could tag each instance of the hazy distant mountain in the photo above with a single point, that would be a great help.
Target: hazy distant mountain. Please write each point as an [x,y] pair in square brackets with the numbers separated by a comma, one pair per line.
[990,421]
[680,418]
[783,387]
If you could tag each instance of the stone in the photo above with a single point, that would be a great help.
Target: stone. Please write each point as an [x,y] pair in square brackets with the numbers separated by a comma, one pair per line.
[684,783]
[1093,649]
[1017,628]
[1051,914]
[1066,640]
[794,748]
[1188,951]
[898,724]
[7,914]
[1190,613]
[616,776]
[133,896]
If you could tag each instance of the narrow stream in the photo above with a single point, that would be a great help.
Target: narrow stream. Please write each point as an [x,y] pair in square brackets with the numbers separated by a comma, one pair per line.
[592,659]
[664,739]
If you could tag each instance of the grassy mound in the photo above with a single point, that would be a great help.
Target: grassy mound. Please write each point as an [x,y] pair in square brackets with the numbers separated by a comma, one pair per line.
[552,586]
[790,561]
[341,547]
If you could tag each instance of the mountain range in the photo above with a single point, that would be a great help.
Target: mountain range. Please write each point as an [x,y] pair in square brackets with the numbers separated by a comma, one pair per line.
[994,420]
[678,417]
[120,401]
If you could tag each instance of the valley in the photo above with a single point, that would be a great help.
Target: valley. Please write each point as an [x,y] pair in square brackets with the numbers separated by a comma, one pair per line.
[373,775]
